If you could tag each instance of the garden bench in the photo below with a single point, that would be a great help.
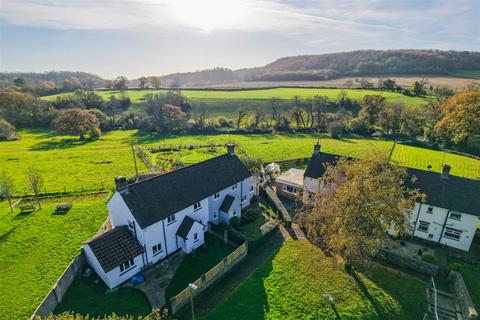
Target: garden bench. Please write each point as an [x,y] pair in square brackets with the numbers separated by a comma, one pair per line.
[27,209]
[62,208]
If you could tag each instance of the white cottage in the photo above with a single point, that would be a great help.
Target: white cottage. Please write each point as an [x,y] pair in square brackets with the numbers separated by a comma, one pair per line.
[450,214]
[156,217]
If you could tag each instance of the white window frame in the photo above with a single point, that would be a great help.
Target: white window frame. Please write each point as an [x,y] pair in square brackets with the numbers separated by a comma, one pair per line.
[157,249]
[197,206]
[251,189]
[215,214]
[244,198]
[127,266]
[216,195]
[430,209]
[235,186]
[452,234]
[171,219]
[423,226]
[286,186]
[195,237]
[458,214]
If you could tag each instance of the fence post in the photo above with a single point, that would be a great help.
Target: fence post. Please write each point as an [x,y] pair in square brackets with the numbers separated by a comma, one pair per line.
[225,236]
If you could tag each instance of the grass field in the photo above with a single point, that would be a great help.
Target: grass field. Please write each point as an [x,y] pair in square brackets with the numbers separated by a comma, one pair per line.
[34,253]
[291,286]
[68,162]
[227,102]
[472,74]
[471,276]
[275,147]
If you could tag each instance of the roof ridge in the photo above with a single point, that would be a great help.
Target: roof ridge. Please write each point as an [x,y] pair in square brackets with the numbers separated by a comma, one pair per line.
[180,169]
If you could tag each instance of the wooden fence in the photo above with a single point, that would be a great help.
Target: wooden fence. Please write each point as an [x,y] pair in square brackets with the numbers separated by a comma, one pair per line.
[224,266]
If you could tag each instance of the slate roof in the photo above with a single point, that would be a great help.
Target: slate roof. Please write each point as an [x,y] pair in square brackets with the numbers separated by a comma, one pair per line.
[227,203]
[115,247]
[317,164]
[156,198]
[185,227]
[454,193]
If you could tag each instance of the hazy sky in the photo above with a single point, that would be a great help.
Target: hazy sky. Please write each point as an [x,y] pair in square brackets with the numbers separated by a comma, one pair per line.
[153,37]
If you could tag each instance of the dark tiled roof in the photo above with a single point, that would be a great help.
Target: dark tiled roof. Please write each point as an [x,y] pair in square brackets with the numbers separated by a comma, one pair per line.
[226,203]
[185,227]
[155,199]
[317,164]
[454,193]
[115,247]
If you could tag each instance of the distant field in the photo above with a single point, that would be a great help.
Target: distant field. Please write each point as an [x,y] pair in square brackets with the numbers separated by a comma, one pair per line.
[472,74]
[226,103]
[292,285]
[275,147]
[36,248]
[68,162]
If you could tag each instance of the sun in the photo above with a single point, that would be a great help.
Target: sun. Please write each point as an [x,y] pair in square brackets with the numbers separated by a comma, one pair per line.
[209,15]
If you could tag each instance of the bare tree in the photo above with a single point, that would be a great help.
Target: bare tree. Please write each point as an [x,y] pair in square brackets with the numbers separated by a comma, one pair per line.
[241,115]
[200,117]
[35,181]
[259,117]
[6,188]
[156,82]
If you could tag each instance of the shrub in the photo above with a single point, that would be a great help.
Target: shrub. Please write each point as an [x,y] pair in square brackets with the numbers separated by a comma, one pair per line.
[250,215]
[335,129]
[235,222]
[455,266]
[7,131]
[430,258]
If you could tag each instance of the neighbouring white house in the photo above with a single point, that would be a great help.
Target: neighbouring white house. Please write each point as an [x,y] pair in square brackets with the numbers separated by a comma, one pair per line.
[451,211]
[154,218]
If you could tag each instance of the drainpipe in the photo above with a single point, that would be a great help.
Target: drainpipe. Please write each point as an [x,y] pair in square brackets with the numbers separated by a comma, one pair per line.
[165,237]
[416,221]
[443,227]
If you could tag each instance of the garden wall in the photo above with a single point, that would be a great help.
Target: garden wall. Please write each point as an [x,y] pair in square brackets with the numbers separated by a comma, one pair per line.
[461,292]
[54,297]
[408,263]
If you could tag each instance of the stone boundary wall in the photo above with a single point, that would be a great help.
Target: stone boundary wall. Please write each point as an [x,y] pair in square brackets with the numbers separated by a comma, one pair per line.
[461,292]
[55,296]
[408,263]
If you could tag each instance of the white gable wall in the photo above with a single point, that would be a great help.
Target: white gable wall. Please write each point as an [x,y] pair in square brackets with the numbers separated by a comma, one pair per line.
[120,215]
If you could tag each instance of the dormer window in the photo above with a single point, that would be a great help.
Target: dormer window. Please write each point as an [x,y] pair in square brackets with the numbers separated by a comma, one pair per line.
[197,206]
[171,219]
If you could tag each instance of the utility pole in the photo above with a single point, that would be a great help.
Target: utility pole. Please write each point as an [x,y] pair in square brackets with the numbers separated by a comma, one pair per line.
[135,163]
[391,151]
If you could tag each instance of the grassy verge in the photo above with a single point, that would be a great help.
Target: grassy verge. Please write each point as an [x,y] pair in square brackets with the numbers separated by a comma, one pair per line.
[197,263]
[251,230]
[36,252]
[291,286]
[84,295]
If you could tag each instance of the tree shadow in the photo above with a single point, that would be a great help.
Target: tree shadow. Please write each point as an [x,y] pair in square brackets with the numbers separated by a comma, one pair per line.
[363,288]
[59,144]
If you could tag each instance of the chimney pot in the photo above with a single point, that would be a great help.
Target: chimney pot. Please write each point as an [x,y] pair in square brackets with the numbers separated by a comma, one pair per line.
[316,148]
[230,148]
[121,183]
[445,171]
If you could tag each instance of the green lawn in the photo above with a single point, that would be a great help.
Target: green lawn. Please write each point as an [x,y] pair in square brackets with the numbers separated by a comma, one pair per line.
[251,230]
[473,74]
[197,263]
[471,276]
[36,252]
[66,161]
[292,284]
[84,295]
